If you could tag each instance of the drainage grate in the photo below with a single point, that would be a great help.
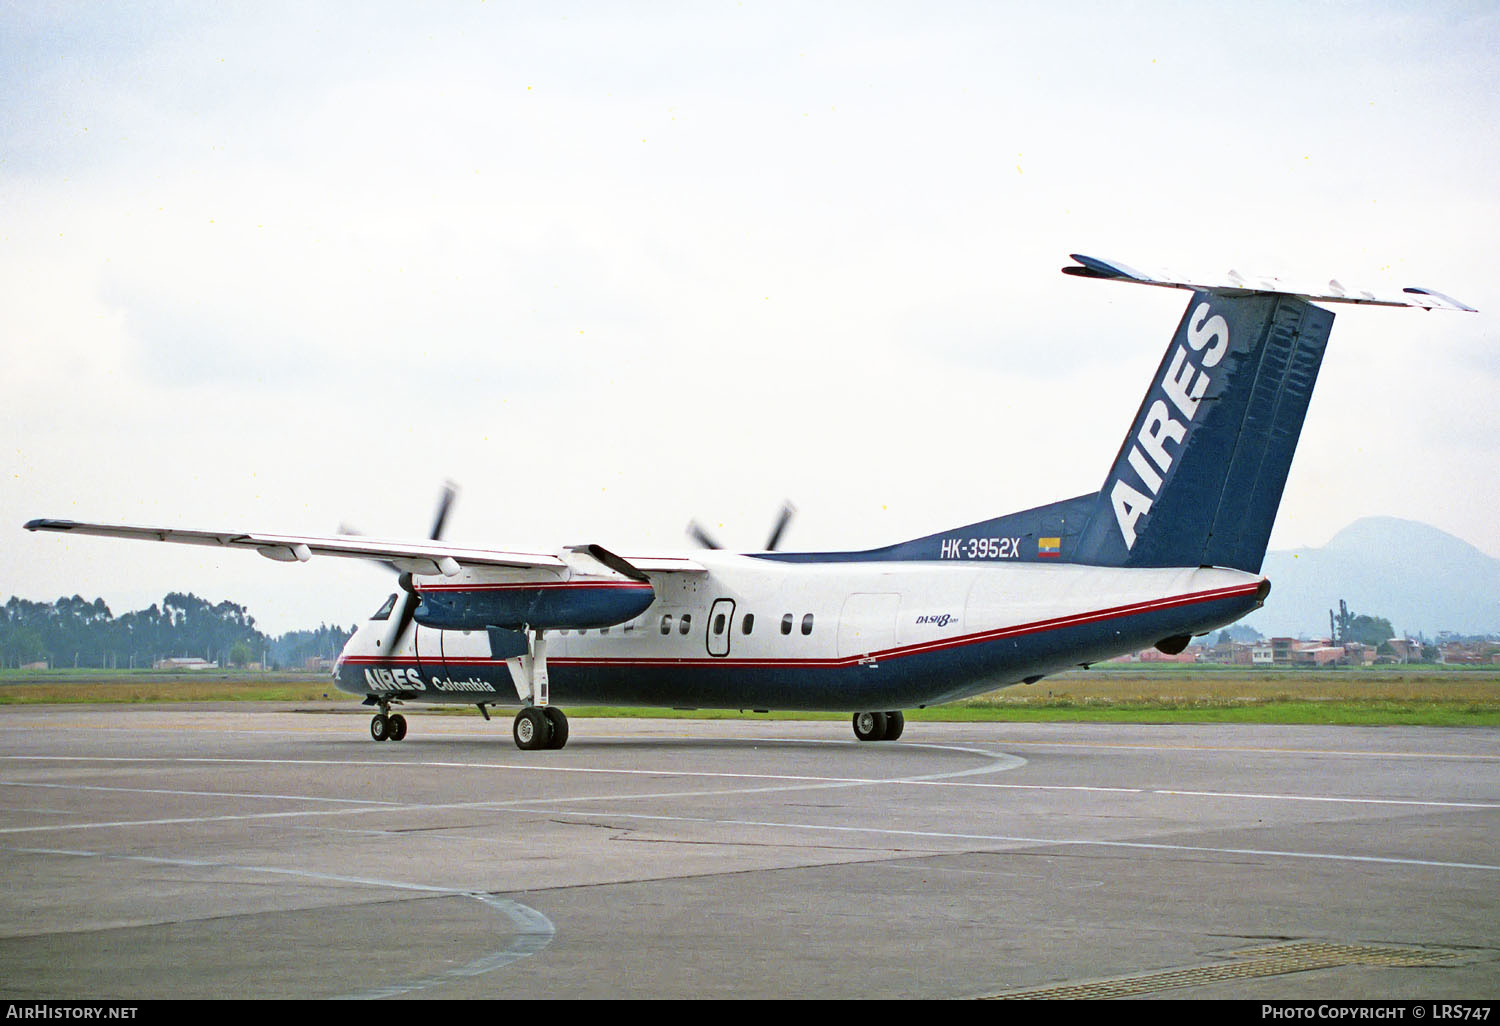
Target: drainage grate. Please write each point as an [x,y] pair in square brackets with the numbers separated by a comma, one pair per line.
[1251,963]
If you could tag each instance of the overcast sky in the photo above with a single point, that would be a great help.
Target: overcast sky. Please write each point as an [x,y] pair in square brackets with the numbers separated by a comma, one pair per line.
[614,266]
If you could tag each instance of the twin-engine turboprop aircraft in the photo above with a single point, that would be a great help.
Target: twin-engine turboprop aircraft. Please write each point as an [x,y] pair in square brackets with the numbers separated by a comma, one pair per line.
[1170,547]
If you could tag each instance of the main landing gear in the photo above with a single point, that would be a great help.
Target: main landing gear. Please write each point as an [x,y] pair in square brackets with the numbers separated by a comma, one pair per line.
[879,726]
[388,727]
[539,727]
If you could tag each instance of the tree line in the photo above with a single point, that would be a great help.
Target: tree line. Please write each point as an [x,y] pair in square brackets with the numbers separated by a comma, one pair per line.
[1347,626]
[76,632]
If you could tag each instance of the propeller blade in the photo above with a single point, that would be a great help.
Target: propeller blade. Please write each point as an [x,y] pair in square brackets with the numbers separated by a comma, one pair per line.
[708,541]
[444,504]
[787,509]
[406,609]
[383,564]
[701,536]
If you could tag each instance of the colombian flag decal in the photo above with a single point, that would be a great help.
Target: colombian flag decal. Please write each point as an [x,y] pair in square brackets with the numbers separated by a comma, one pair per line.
[1049,547]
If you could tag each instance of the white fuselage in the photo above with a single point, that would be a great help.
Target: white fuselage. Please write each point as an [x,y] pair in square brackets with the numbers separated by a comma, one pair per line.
[772,633]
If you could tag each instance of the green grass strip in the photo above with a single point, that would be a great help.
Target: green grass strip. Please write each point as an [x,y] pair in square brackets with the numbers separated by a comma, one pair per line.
[1430,699]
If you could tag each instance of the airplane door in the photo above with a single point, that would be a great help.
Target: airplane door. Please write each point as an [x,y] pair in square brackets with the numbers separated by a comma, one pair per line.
[464,651]
[429,648]
[868,623]
[720,619]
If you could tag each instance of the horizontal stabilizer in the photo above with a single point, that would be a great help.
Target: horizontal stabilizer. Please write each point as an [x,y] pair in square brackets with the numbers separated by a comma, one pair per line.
[1236,284]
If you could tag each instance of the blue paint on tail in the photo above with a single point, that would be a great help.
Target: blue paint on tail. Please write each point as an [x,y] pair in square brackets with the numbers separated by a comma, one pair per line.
[1199,477]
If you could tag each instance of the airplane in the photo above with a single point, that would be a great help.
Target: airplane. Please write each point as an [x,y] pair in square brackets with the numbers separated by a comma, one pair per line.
[1169,548]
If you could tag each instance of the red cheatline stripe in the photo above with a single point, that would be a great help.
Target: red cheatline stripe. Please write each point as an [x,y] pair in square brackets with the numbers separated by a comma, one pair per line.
[1038,627]
[585,585]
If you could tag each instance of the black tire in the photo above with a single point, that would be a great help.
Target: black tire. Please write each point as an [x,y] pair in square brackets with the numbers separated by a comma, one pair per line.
[380,728]
[398,727]
[895,723]
[532,731]
[869,726]
[559,724]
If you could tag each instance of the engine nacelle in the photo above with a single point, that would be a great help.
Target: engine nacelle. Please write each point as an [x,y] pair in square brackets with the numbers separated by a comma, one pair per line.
[572,605]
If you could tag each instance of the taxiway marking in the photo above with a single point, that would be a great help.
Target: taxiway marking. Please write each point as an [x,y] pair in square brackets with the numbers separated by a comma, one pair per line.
[533,930]
[1042,841]
[780,782]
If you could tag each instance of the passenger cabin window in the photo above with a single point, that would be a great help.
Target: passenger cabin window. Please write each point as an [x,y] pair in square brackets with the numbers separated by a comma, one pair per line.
[385,610]
[666,623]
[748,624]
[719,624]
[686,624]
[807,624]
[786,624]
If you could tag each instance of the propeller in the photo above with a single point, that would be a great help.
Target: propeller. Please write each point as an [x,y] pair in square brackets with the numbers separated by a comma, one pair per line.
[702,537]
[445,503]
[406,608]
[707,541]
[782,519]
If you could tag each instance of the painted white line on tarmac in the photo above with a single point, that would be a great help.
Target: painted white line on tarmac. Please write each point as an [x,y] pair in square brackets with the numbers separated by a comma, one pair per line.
[1038,841]
[991,758]
[1240,749]
[1345,800]
[196,794]
[993,763]
[532,931]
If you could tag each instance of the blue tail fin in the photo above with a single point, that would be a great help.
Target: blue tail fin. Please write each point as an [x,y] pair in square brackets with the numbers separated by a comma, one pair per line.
[1199,477]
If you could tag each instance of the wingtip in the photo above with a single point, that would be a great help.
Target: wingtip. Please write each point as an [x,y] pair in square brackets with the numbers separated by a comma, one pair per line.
[1441,300]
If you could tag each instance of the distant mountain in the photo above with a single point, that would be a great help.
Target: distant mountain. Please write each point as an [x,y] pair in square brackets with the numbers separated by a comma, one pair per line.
[1417,577]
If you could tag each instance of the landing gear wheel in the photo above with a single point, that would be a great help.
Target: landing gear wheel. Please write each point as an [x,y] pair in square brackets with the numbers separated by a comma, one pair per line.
[380,727]
[532,730]
[895,723]
[398,727]
[559,724]
[869,726]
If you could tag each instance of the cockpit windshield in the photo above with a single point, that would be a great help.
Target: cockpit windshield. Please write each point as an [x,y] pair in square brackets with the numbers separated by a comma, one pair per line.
[385,610]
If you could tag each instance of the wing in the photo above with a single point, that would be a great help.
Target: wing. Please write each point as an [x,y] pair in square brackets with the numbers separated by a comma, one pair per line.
[418,557]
